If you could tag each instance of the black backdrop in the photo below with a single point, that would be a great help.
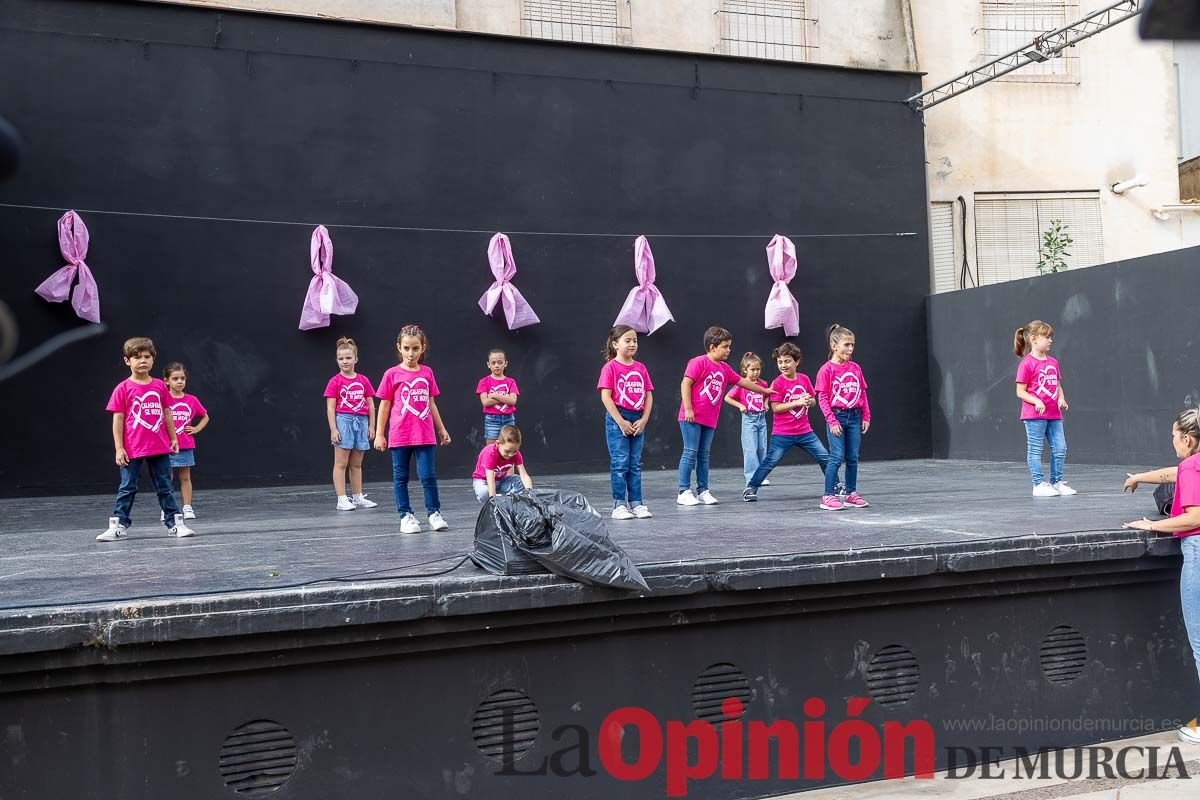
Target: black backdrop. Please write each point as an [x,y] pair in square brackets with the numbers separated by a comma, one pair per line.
[214,143]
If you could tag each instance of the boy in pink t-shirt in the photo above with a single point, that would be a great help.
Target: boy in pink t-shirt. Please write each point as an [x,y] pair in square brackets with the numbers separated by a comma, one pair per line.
[143,432]
[702,389]
[500,469]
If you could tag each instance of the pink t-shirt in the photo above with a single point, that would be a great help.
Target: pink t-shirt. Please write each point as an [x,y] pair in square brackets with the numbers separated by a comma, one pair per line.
[184,410]
[794,422]
[751,400]
[709,379]
[142,404]
[505,385]
[352,394]
[1187,490]
[411,421]
[490,459]
[1040,377]
[628,383]
[841,386]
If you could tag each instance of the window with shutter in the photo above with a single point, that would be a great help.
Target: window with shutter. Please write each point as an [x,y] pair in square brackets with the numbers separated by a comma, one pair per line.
[595,21]
[780,29]
[1012,24]
[1009,227]
[943,247]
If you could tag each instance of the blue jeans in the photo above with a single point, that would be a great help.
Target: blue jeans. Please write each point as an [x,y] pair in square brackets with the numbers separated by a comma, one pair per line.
[1189,592]
[401,460]
[780,444]
[1036,432]
[754,441]
[509,485]
[697,443]
[624,460]
[492,423]
[844,449]
[160,473]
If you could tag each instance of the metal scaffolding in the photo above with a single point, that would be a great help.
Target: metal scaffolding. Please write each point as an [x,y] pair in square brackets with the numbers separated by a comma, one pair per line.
[1041,48]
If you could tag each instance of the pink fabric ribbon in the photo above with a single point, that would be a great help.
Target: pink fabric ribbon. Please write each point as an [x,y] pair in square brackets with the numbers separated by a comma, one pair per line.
[645,310]
[517,311]
[327,293]
[782,309]
[73,242]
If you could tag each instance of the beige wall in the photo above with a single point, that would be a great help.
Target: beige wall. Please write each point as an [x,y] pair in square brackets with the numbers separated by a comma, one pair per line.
[1120,120]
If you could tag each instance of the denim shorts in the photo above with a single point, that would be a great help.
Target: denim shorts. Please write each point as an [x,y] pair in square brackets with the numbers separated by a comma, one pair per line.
[352,428]
[492,423]
[184,458]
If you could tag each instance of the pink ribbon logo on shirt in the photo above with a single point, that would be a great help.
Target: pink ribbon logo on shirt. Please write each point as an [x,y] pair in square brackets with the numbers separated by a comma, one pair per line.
[181,413]
[148,405]
[754,401]
[352,396]
[631,391]
[793,394]
[414,398]
[846,390]
[503,408]
[713,384]
[503,471]
[1047,383]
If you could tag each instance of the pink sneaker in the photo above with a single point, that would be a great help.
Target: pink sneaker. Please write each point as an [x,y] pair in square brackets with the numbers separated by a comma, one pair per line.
[853,500]
[830,502]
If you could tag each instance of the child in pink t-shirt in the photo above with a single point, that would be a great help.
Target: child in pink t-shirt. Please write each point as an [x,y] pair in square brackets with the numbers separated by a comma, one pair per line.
[409,425]
[753,407]
[500,468]
[627,394]
[1039,387]
[143,432]
[702,388]
[190,417]
[792,395]
[842,396]
[498,394]
[350,411]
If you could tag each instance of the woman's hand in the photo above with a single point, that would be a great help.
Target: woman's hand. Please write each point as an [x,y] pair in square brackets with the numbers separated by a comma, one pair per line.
[1142,524]
[1131,483]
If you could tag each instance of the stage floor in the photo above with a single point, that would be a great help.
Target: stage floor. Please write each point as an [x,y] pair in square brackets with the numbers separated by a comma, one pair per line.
[266,540]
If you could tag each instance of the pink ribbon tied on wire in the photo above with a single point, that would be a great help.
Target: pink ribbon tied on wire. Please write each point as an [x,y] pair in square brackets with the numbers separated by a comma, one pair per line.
[645,310]
[73,242]
[327,293]
[782,310]
[517,311]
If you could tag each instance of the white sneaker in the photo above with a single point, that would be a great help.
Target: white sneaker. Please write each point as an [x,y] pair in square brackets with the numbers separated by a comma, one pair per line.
[188,513]
[707,498]
[344,503]
[1189,733]
[180,530]
[687,498]
[1044,489]
[409,524]
[766,482]
[437,523]
[116,531]
[641,512]
[1064,490]
[621,512]
[361,501]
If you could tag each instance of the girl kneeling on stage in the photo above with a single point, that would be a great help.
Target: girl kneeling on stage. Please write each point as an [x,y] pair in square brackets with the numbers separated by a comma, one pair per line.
[1183,522]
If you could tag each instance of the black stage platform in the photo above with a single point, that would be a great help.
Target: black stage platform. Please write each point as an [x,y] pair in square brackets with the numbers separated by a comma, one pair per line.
[970,586]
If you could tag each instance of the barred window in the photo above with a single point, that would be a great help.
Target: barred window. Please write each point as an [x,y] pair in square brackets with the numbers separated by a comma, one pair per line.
[780,29]
[595,21]
[1012,24]
[1009,228]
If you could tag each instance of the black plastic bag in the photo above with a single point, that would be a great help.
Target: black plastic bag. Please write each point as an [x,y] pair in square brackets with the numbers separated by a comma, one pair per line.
[1164,496]
[561,531]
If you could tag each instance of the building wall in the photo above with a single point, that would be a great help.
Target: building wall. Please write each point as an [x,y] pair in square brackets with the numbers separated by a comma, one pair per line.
[1119,121]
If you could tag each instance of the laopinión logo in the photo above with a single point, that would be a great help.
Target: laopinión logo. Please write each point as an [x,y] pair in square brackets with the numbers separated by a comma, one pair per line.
[852,750]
